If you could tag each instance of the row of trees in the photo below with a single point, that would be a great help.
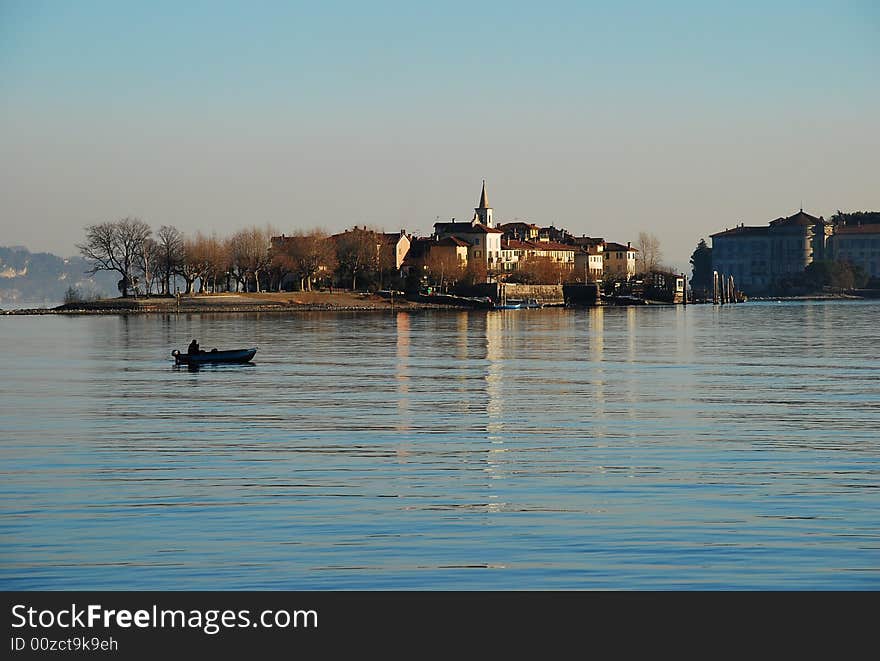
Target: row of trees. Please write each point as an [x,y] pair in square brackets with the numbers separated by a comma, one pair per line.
[150,263]
[360,256]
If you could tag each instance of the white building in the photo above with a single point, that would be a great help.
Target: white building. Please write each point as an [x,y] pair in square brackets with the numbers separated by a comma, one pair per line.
[481,235]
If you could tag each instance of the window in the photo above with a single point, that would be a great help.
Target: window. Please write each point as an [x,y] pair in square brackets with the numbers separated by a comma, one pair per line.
[476,253]
[477,241]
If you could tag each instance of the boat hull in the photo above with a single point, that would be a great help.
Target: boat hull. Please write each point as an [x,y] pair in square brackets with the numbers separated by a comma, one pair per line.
[214,357]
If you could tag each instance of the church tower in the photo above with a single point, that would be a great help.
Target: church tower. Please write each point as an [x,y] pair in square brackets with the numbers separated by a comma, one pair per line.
[483,213]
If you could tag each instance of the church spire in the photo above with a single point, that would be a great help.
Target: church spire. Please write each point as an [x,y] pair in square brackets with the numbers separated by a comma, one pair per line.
[484,199]
[483,213]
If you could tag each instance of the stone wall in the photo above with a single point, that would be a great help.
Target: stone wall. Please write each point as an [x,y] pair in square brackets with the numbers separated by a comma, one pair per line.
[546,294]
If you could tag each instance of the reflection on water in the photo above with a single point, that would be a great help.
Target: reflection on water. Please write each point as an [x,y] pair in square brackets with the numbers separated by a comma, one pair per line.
[697,447]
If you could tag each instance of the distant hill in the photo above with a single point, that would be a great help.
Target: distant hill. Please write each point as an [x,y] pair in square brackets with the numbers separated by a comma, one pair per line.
[41,279]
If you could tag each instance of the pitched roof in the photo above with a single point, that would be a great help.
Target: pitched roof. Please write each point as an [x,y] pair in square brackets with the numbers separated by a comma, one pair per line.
[465,228]
[553,245]
[418,247]
[609,246]
[800,218]
[519,224]
[587,241]
[535,245]
[741,230]
[391,237]
[452,241]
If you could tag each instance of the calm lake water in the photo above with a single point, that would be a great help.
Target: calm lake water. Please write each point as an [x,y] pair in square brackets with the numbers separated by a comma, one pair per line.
[639,448]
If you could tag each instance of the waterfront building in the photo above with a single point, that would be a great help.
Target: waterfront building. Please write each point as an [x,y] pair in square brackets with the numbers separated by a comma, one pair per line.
[859,245]
[758,257]
[589,259]
[619,260]
[480,234]
[515,253]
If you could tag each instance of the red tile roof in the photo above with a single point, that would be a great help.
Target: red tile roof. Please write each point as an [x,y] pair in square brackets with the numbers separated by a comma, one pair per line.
[452,241]
[513,244]
[517,224]
[465,228]
[858,229]
[609,246]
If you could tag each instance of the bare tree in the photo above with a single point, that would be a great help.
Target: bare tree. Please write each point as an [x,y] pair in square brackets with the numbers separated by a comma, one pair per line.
[357,253]
[250,253]
[148,262]
[540,270]
[650,255]
[443,267]
[194,264]
[171,254]
[115,246]
[236,272]
[308,255]
[475,273]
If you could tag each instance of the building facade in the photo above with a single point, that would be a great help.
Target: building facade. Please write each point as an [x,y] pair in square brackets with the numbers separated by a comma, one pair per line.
[481,236]
[759,257]
[393,248]
[515,253]
[858,245]
[619,260]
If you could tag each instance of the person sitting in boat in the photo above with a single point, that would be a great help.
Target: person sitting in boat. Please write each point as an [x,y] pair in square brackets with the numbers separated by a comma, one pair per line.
[193,348]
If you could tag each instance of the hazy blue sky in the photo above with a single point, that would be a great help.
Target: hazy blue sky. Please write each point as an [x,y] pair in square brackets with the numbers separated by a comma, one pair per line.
[677,118]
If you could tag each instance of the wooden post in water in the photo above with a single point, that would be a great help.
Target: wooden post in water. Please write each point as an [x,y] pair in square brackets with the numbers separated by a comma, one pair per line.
[715,287]
[732,291]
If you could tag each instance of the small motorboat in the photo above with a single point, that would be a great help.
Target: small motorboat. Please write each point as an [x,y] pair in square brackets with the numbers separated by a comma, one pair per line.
[213,356]
[518,304]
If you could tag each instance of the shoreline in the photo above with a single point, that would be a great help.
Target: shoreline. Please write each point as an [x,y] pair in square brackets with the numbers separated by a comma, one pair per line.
[294,302]
[222,304]
[268,302]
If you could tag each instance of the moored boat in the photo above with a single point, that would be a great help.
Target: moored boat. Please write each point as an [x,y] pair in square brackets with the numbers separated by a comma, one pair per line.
[518,304]
[214,356]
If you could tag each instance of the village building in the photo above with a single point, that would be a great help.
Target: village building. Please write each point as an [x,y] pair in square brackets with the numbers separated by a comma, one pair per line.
[519,231]
[515,253]
[480,234]
[589,260]
[619,260]
[393,248]
[554,235]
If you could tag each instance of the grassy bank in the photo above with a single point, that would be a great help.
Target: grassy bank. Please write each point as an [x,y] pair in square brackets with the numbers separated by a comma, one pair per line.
[234,302]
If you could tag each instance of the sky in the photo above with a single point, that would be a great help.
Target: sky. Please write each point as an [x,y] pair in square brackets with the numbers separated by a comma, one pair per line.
[678,118]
